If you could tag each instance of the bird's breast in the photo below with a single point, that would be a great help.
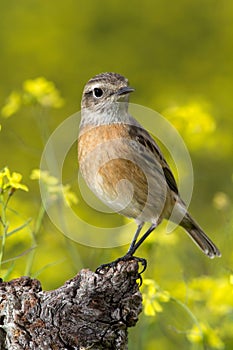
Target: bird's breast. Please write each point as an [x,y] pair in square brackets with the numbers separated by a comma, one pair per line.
[108,166]
[119,172]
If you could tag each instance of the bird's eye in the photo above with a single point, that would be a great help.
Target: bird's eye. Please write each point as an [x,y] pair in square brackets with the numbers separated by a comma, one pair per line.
[97,92]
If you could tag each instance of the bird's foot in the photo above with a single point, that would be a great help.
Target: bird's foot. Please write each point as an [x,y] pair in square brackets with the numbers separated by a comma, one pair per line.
[105,267]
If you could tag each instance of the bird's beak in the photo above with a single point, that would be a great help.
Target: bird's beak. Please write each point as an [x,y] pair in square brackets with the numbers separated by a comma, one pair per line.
[125,90]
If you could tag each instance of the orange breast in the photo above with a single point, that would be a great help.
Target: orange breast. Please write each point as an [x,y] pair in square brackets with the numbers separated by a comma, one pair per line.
[108,145]
[92,136]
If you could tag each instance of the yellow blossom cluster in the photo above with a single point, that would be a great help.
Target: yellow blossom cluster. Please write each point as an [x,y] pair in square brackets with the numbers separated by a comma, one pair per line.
[37,91]
[53,187]
[11,181]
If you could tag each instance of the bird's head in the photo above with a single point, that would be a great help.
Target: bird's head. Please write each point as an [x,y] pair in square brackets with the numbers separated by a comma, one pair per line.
[104,90]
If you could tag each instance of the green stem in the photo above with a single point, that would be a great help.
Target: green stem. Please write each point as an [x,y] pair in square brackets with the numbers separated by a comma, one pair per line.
[37,227]
[39,219]
[4,228]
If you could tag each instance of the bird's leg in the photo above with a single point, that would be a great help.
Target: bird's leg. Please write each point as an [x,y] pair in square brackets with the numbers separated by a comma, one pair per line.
[139,228]
[128,255]
[135,246]
[132,249]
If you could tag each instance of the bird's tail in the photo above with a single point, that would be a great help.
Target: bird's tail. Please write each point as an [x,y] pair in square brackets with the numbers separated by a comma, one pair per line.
[199,237]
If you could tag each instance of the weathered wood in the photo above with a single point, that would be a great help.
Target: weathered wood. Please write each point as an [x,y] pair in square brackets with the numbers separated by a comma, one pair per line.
[90,311]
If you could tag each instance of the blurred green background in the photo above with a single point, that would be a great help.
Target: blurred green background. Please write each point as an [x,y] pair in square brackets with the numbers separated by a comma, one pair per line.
[179,57]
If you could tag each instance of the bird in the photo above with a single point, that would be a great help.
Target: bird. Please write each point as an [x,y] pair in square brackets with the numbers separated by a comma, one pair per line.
[125,168]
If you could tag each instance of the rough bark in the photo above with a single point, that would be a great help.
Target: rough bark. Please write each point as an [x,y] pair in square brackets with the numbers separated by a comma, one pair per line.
[90,311]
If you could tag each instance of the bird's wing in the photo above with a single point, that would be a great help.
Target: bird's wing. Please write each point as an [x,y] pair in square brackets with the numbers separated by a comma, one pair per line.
[140,135]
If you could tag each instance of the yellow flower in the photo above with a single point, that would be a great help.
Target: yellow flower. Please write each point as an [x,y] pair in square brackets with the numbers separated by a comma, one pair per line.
[54,188]
[152,297]
[193,121]
[13,181]
[69,195]
[35,91]
[204,332]
[43,92]
[12,105]
[196,334]
[1,180]
[231,279]
[44,176]
[221,201]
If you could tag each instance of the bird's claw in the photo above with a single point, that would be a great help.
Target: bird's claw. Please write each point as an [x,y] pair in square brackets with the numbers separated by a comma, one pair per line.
[105,267]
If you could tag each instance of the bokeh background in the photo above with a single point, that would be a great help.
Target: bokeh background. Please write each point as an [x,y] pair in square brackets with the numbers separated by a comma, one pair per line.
[179,57]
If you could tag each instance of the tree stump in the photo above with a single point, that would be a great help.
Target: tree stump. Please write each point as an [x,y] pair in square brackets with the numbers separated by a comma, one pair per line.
[90,311]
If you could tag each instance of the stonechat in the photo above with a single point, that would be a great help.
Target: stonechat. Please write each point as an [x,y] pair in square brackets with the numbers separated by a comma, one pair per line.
[122,164]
